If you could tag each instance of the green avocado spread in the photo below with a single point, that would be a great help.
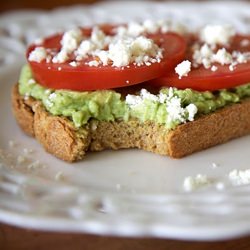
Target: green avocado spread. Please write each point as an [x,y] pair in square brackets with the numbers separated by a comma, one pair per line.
[169,107]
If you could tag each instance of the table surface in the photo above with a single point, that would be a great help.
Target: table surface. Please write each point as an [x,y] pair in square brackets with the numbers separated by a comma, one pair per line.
[19,238]
[12,238]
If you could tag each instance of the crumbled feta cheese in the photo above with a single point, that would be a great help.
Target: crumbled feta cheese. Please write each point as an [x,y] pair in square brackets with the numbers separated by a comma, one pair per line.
[239,177]
[86,46]
[73,64]
[223,57]
[52,96]
[133,100]
[120,53]
[163,97]
[147,95]
[142,45]
[98,37]
[193,183]
[206,56]
[70,40]
[217,34]
[61,57]
[93,63]
[203,56]
[103,55]
[48,103]
[231,67]
[47,91]
[26,97]
[38,54]
[240,57]
[192,110]
[206,51]
[214,68]
[183,68]
[175,111]
[31,81]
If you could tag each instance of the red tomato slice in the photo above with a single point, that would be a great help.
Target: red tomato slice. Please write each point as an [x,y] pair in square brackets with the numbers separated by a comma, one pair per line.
[204,79]
[84,77]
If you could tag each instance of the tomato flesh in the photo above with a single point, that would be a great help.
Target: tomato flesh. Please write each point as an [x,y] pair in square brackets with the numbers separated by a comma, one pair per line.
[204,79]
[85,77]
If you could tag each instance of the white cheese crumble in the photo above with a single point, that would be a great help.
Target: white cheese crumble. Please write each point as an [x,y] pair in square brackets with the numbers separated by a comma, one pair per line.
[31,81]
[214,68]
[69,42]
[93,63]
[193,183]
[73,64]
[120,53]
[52,96]
[123,51]
[216,39]
[222,57]
[133,100]
[239,177]
[208,56]
[38,54]
[61,57]
[192,110]
[183,68]
[175,111]
[217,34]
[71,39]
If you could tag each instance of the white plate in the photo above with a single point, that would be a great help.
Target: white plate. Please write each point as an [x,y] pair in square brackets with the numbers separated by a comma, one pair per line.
[127,192]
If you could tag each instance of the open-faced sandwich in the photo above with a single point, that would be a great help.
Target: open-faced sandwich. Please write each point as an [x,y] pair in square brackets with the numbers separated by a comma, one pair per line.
[135,86]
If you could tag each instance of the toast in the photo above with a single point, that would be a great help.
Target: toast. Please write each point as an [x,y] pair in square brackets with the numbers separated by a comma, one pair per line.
[60,137]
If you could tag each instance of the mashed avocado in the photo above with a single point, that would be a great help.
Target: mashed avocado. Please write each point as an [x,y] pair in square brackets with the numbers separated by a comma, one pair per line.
[108,105]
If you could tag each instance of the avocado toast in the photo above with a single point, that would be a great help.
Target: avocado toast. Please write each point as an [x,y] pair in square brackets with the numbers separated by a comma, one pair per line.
[166,120]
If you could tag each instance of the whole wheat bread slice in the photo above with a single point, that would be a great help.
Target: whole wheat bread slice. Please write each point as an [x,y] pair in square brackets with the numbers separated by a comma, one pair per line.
[60,138]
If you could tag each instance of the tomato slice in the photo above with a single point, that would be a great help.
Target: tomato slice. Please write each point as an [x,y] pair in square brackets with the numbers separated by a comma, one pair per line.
[85,77]
[204,79]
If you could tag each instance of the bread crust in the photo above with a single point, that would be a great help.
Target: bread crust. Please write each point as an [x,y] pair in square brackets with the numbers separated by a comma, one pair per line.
[60,138]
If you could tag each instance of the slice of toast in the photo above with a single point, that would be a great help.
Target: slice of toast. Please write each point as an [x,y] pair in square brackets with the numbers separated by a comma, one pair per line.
[59,136]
